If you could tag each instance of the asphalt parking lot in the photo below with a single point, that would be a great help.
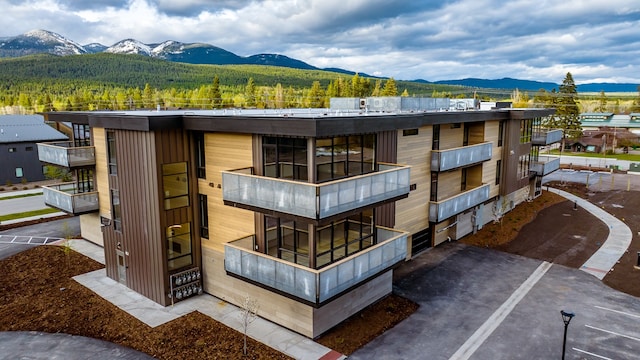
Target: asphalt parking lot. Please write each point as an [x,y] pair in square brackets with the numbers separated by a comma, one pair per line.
[479,303]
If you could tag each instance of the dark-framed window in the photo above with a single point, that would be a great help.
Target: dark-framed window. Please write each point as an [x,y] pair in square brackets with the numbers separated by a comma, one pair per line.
[12,149]
[111,152]
[200,155]
[179,246]
[116,215]
[526,128]
[409,132]
[463,179]
[498,171]
[285,158]
[344,238]
[84,180]
[81,135]
[500,132]
[28,148]
[435,145]
[204,216]
[344,156]
[287,240]
[19,172]
[175,184]
[434,186]
[523,166]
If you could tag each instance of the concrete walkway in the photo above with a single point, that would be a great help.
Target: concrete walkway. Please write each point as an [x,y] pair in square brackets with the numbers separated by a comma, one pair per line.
[618,241]
[152,314]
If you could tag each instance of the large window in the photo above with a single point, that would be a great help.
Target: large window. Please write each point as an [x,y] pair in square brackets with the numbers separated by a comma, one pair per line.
[523,166]
[200,156]
[116,215]
[175,183]
[111,152]
[343,238]
[81,135]
[526,128]
[344,156]
[179,252]
[500,132]
[285,158]
[287,240]
[204,216]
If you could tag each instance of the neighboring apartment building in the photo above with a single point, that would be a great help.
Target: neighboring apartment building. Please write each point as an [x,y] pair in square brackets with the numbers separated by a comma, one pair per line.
[19,135]
[306,210]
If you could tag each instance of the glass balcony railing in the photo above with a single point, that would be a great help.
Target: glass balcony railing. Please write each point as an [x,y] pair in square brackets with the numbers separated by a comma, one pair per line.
[315,201]
[315,286]
[66,155]
[546,137]
[443,160]
[442,210]
[545,165]
[66,197]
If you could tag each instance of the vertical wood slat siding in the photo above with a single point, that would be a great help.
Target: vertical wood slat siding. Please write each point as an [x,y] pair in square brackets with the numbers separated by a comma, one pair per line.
[225,152]
[101,173]
[412,213]
[386,151]
[489,168]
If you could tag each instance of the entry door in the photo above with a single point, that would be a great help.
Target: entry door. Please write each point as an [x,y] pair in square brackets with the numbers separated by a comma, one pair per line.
[122,267]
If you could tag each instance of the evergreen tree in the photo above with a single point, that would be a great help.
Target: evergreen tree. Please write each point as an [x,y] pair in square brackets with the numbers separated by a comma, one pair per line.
[602,102]
[390,88]
[315,97]
[215,93]
[567,116]
[636,103]
[250,94]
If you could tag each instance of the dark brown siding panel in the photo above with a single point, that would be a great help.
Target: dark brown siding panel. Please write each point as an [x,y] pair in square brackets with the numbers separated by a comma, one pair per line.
[387,152]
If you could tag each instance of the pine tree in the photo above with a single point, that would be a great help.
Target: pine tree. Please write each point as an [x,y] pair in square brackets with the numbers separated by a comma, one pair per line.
[602,102]
[390,88]
[567,115]
[250,93]
[215,93]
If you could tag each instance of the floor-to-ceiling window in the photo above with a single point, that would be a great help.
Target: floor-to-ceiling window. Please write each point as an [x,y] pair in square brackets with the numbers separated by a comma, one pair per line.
[344,156]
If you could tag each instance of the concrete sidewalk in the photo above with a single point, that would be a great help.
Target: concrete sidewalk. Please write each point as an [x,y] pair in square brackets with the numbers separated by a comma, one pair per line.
[618,241]
[152,314]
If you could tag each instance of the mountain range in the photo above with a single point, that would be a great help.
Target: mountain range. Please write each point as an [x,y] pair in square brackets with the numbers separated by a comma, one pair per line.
[43,41]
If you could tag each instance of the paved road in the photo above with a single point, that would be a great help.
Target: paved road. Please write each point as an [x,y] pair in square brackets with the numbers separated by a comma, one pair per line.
[474,305]
[18,205]
[52,229]
[598,181]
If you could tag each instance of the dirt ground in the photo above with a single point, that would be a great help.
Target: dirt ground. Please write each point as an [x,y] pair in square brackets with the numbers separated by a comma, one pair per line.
[38,294]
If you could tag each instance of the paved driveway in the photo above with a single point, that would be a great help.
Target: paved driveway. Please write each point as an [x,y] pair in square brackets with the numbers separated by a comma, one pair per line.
[469,307]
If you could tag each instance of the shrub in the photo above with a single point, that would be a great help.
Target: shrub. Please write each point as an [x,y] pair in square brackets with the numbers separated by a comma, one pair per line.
[14,188]
[24,180]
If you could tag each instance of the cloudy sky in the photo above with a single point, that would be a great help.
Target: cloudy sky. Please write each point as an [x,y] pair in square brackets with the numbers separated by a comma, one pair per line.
[595,40]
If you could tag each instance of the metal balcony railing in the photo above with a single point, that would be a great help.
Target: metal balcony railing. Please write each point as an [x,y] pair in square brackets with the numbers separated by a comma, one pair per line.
[443,160]
[545,165]
[315,201]
[546,137]
[66,154]
[66,197]
[444,209]
[315,286]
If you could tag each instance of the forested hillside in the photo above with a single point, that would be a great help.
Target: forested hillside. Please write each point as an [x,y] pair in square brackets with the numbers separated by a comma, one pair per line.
[115,81]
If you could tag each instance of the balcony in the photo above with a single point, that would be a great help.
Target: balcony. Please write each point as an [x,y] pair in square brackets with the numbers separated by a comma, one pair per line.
[443,160]
[311,285]
[66,155]
[442,210]
[545,165]
[314,201]
[66,197]
[546,137]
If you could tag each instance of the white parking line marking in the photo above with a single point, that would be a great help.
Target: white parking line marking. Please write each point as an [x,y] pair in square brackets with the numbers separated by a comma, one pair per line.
[485,330]
[592,354]
[613,333]
[618,312]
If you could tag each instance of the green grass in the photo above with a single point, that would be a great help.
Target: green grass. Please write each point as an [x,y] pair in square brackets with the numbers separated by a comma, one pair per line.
[18,196]
[628,157]
[27,214]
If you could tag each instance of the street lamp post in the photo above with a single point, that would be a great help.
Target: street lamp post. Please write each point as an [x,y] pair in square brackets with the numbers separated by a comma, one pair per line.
[566,318]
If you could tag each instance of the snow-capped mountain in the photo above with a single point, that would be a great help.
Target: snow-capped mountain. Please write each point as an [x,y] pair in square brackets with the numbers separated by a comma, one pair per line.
[39,41]
[43,41]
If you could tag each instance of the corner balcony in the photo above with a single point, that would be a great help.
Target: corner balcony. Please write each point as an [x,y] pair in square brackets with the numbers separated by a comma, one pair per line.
[546,137]
[66,197]
[545,165]
[66,155]
[443,160]
[444,209]
[314,201]
[311,285]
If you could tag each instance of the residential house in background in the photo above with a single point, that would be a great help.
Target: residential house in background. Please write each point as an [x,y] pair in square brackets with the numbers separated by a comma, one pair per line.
[19,135]
[306,210]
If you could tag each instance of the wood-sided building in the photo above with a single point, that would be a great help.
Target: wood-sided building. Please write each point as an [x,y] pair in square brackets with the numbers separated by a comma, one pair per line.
[307,211]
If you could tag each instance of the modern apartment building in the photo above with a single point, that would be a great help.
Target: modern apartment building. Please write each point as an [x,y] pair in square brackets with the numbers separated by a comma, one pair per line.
[306,210]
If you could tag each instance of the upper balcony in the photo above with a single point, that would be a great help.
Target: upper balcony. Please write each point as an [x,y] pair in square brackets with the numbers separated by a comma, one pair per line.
[314,201]
[67,155]
[443,160]
[311,285]
[545,165]
[442,210]
[546,137]
[66,197]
